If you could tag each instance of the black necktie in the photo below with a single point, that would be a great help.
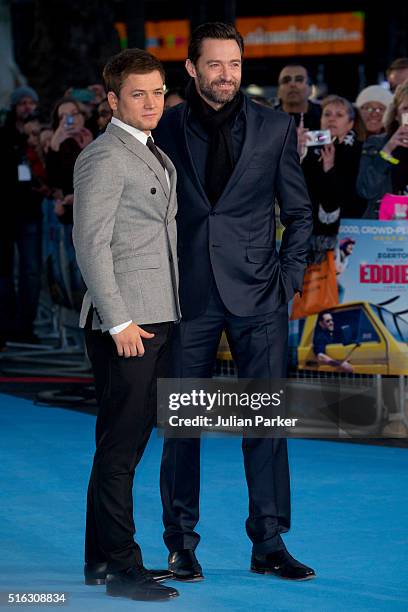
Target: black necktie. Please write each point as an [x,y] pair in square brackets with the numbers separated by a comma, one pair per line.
[150,145]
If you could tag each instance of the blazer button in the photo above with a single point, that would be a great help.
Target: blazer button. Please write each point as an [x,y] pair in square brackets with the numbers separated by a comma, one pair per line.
[153,190]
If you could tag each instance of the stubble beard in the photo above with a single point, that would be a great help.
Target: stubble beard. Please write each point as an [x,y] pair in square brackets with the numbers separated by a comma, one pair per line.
[210,93]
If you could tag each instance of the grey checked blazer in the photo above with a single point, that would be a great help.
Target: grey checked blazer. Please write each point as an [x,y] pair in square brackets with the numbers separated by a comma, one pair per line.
[125,232]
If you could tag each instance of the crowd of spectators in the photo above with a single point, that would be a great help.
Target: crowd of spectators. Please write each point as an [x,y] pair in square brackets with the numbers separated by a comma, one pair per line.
[37,157]
[361,161]
[348,174]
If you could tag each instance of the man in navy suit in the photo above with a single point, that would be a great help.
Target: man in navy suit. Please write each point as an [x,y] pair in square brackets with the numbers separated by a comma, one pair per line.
[233,159]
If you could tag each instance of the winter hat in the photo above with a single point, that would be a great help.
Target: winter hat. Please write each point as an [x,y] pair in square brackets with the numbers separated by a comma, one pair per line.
[23,92]
[374,93]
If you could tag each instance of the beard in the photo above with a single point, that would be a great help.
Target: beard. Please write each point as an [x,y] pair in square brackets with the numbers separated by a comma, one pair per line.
[211,91]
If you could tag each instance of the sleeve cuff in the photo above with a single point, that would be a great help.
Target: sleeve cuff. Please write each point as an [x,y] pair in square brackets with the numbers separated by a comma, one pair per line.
[118,328]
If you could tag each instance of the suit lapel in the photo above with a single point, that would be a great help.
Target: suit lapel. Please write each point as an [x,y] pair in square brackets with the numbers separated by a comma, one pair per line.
[136,147]
[186,157]
[173,180]
[253,135]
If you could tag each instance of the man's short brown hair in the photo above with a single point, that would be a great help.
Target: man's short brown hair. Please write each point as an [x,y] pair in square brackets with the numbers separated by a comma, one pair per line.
[129,61]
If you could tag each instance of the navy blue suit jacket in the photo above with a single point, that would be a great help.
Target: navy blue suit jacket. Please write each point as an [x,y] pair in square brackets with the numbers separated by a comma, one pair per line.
[236,237]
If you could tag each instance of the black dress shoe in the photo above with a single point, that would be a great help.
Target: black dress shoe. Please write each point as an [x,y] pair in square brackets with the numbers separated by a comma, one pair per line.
[136,583]
[282,564]
[95,573]
[184,566]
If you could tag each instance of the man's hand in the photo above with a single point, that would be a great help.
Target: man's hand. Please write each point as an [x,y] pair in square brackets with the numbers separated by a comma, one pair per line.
[129,341]
[342,366]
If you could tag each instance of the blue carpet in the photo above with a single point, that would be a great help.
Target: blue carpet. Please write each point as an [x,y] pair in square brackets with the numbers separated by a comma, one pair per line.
[350,517]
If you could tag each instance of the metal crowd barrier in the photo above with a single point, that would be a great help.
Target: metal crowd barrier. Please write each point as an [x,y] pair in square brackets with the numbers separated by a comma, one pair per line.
[383,403]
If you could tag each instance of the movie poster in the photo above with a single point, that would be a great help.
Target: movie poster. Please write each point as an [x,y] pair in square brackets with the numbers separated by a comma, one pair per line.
[365,329]
[372,262]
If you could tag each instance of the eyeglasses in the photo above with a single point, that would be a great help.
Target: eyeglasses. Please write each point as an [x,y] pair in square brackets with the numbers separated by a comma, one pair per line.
[298,78]
[373,109]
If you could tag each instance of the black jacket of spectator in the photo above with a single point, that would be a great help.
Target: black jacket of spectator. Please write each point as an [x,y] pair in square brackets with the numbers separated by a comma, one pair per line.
[311,119]
[334,193]
[60,165]
[20,200]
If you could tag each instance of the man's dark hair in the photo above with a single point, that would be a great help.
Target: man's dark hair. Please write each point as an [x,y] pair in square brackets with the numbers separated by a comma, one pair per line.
[129,61]
[399,64]
[298,65]
[216,29]
[322,313]
[345,243]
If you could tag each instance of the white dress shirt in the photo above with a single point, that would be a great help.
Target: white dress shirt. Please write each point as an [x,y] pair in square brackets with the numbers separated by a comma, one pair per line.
[141,137]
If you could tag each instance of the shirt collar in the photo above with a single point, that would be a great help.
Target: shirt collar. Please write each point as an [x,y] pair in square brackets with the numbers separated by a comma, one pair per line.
[138,134]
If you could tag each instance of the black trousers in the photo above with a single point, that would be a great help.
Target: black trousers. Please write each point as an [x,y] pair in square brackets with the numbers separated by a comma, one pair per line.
[259,349]
[126,394]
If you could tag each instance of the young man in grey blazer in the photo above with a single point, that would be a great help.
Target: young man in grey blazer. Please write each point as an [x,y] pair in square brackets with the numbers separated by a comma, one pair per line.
[125,241]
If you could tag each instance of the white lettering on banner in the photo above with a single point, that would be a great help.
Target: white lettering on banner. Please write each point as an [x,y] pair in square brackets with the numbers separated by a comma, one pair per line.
[293,35]
[350,229]
[379,229]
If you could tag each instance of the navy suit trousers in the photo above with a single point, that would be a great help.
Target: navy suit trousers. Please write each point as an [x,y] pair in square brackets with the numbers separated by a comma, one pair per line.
[259,348]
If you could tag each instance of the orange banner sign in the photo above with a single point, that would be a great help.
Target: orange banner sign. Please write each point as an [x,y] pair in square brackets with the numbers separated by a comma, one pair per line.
[290,35]
[328,34]
[168,40]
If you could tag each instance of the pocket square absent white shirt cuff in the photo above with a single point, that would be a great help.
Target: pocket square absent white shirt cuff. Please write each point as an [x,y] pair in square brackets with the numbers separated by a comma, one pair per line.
[118,328]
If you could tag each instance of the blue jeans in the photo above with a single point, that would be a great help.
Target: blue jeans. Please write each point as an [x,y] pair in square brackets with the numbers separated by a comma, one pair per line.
[19,300]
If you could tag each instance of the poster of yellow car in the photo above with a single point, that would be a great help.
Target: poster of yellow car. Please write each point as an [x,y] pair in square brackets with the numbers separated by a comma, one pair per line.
[356,337]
